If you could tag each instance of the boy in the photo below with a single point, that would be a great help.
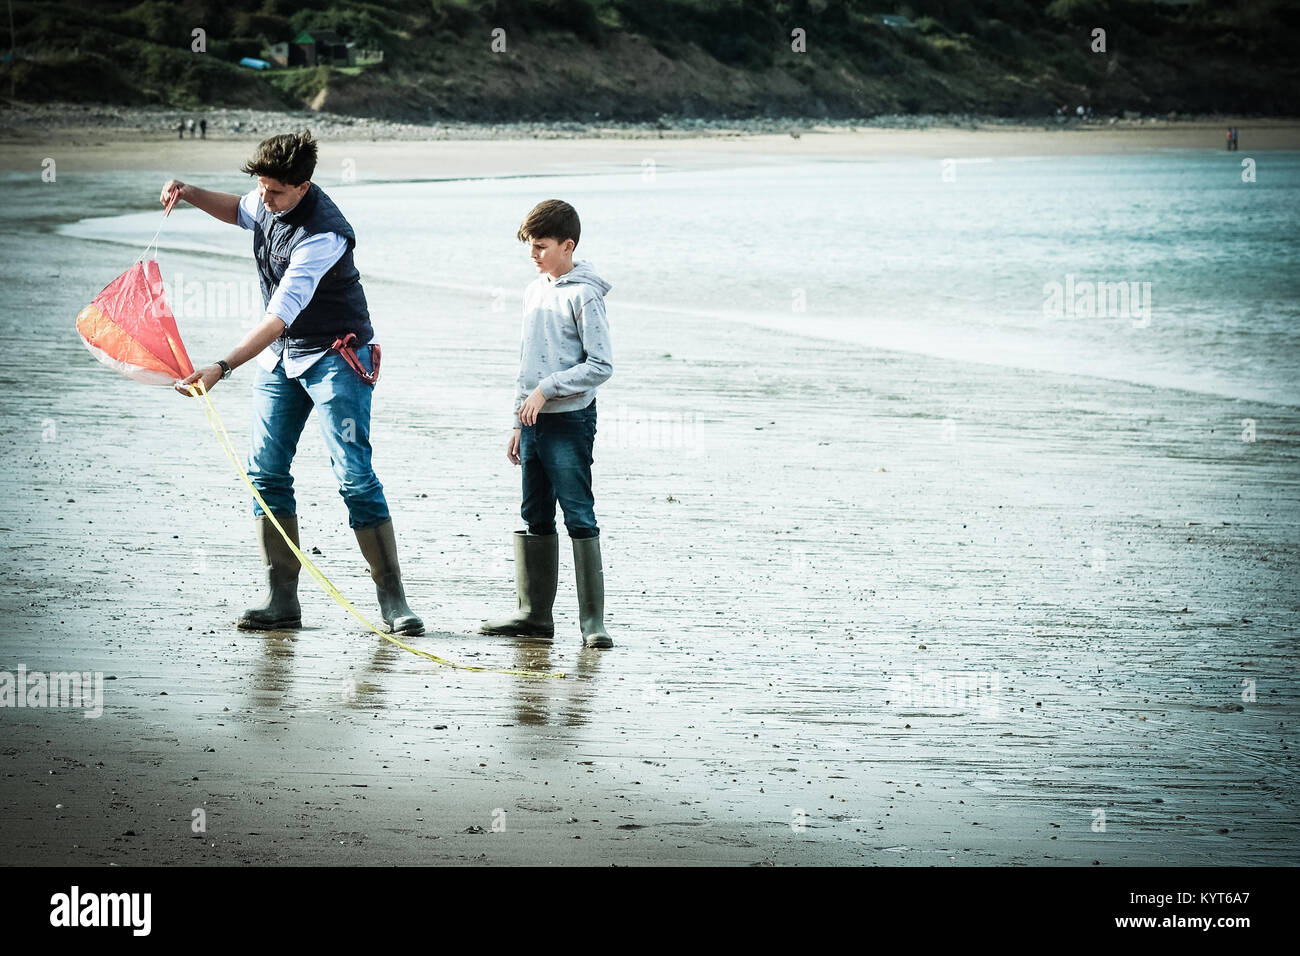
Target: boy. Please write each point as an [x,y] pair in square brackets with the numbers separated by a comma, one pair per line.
[564,356]
[315,351]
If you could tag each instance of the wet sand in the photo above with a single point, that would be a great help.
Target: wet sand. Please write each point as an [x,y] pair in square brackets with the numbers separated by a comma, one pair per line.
[803,542]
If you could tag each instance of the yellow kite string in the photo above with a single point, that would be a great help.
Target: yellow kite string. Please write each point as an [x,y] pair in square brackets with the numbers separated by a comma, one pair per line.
[228,446]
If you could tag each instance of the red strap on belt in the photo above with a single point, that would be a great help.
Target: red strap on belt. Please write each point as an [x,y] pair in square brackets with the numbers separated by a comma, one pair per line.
[344,347]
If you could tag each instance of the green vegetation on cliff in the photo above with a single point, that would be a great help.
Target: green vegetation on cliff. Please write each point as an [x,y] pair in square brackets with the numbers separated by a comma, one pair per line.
[636,60]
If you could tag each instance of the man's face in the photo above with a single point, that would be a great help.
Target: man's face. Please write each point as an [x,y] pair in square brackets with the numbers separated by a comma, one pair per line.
[551,257]
[277,197]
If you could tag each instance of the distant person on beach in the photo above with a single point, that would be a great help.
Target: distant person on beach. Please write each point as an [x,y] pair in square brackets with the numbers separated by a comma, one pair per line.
[203,129]
[180,129]
[189,125]
[564,357]
[1229,140]
[1235,145]
[315,349]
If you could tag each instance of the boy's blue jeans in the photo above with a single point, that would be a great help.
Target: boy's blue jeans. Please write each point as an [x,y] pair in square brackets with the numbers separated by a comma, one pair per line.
[342,402]
[555,455]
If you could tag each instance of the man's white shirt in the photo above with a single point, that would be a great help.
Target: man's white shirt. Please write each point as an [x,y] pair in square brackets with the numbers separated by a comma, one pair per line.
[308,263]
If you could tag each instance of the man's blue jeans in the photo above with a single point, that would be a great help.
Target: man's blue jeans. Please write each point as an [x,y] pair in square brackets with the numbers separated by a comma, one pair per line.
[342,402]
[555,455]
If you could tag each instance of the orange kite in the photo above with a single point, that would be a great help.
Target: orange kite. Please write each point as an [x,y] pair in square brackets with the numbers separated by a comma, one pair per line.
[130,327]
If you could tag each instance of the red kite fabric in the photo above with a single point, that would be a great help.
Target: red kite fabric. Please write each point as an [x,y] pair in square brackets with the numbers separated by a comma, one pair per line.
[130,327]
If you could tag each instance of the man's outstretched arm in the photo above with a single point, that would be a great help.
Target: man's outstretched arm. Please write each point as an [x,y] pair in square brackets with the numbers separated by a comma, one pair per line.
[270,329]
[223,206]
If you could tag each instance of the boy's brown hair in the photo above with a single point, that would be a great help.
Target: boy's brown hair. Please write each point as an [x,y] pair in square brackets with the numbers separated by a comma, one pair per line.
[290,158]
[551,219]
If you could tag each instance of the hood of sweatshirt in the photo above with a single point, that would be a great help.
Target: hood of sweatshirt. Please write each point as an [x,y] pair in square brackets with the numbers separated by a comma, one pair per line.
[583,274]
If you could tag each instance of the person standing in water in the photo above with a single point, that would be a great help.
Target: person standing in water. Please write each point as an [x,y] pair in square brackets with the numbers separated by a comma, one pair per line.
[315,351]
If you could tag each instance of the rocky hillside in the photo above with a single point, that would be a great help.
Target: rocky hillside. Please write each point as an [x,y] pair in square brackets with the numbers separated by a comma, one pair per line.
[546,60]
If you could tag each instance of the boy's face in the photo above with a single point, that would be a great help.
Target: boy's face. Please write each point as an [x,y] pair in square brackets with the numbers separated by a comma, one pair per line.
[551,257]
[278,197]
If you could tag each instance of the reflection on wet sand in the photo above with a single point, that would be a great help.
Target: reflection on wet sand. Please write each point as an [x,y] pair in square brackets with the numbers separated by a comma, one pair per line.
[273,677]
[535,698]
[581,686]
[533,695]
[369,695]
[274,666]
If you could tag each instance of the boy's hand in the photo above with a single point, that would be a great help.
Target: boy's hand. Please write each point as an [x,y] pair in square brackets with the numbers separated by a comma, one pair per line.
[531,406]
[512,449]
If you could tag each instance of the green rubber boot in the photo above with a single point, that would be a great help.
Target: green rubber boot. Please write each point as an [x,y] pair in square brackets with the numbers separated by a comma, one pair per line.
[591,592]
[537,572]
[379,547]
[280,610]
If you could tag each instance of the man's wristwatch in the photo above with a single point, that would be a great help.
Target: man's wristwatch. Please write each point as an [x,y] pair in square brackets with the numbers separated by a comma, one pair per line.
[225,369]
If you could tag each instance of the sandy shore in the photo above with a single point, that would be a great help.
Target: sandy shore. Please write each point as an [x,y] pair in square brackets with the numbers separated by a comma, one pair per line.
[392,154]
[871,608]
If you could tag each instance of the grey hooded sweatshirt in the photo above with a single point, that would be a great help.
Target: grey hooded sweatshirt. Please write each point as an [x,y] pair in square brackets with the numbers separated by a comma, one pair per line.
[565,346]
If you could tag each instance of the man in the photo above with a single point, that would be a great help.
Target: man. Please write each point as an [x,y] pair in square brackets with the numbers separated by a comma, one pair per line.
[313,346]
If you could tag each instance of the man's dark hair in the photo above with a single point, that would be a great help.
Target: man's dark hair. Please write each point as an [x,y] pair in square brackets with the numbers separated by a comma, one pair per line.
[290,158]
[552,219]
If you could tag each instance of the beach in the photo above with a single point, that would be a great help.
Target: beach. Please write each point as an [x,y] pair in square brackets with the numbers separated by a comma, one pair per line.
[870,606]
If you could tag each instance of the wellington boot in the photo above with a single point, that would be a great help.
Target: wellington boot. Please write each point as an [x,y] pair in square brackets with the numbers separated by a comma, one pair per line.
[379,546]
[591,592]
[537,569]
[281,609]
